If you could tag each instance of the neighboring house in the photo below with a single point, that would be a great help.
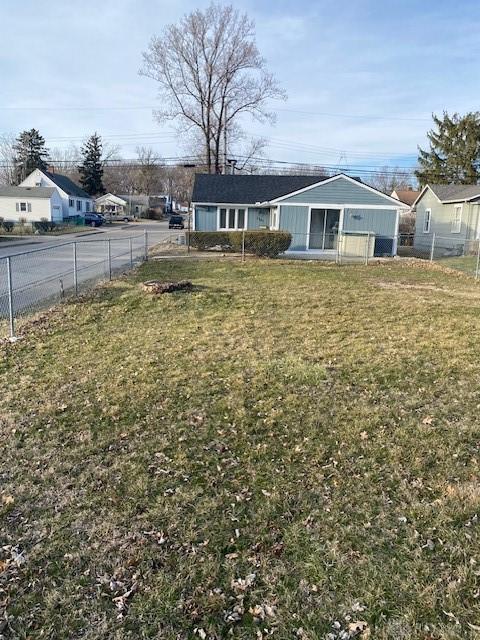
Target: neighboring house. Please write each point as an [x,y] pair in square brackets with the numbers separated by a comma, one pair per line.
[407,217]
[30,204]
[110,203]
[407,196]
[313,209]
[137,205]
[451,212]
[75,201]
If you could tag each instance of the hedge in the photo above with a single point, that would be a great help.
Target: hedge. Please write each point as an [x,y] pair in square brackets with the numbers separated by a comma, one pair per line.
[259,242]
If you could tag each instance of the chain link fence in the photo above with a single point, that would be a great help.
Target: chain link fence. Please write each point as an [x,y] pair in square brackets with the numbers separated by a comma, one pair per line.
[458,254]
[36,279]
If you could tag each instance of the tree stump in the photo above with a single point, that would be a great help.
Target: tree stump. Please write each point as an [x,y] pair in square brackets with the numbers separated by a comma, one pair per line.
[157,287]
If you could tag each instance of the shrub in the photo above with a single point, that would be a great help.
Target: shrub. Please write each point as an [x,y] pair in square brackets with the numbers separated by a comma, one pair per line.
[8,225]
[267,244]
[204,240]
[44,225]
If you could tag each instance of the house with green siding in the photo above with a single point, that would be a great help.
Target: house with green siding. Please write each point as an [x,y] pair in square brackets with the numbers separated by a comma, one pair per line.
[448,216]
[314,209]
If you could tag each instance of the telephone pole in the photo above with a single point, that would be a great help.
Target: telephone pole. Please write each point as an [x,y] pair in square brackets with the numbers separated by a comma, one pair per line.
[225,141]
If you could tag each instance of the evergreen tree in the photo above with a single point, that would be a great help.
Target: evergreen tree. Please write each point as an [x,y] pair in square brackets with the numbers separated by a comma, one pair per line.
[91,169]
[454,155]
[30,153]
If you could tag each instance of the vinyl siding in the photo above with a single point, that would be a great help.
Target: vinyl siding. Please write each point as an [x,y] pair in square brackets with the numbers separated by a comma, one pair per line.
[441,222]
[339,192]
[41,208]
[258,217]
[295,220]
[205,218]
[381,222]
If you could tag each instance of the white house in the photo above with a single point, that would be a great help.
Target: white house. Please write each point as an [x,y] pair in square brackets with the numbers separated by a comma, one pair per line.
[30,204]
[110,203]
[75,201]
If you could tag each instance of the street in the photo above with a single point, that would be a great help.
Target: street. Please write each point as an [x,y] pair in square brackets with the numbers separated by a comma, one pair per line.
[44,269]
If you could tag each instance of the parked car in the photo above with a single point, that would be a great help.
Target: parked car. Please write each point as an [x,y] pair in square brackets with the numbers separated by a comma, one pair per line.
[118,217]
[176,222]
[93,219]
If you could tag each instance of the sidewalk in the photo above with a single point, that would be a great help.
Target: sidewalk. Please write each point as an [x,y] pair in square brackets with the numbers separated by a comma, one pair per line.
[15,241]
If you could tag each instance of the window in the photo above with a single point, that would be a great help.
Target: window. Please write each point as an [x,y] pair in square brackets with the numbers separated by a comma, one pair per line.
[427,221]
[23,207]
[87,206]
[231,218]
[79,205]
[70,202]
[457,219]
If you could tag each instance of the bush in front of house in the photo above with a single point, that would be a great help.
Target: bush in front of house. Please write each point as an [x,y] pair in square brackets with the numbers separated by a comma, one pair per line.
[43,225]
[262,243]
[205,240]
[8,225]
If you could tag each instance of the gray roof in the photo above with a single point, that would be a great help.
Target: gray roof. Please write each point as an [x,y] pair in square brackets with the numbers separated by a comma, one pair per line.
[27,192]
[67,185]
[455,192]
[136,199]
[247,189]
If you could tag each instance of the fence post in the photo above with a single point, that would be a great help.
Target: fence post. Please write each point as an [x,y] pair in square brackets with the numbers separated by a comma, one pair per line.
[109,257]
[243,245]
[10,298]
[339,240]
[75,272]
[433,248]
[146,245]
[131,252]
[478,260]
[367,248]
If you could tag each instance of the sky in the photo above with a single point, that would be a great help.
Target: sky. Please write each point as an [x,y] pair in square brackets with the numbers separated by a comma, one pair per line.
[362,76]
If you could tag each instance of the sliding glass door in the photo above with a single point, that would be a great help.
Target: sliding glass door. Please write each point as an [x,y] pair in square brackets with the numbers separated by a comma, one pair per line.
[323,228]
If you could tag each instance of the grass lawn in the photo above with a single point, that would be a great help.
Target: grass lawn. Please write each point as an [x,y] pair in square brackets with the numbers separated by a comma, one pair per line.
[291,449]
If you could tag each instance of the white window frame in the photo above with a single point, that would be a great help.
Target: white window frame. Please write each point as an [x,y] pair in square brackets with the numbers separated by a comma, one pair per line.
[27,205]
[227,210]
[274,218]
[427,227]
[71,203]
[457,222]
[79,205]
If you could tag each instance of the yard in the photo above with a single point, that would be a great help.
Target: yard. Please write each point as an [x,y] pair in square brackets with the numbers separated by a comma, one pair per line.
[290,450]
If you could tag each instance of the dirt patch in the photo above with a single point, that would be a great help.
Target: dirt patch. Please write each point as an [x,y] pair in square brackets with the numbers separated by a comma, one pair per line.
[430,288]
[405,285]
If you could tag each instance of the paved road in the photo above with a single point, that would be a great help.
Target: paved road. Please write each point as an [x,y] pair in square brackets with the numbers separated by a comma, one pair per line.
[43,270]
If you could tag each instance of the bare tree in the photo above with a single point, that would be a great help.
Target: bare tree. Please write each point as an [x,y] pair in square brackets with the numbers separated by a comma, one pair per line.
[210,74]
[387,179]
[148,173]
[65,161]
[7,160]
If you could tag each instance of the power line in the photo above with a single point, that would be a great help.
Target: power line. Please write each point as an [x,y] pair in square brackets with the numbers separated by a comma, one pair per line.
[326,114]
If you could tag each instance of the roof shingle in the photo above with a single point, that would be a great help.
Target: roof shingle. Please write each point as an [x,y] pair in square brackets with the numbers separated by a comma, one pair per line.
[67,185]
[27,192]
[247,189]
[446,192]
